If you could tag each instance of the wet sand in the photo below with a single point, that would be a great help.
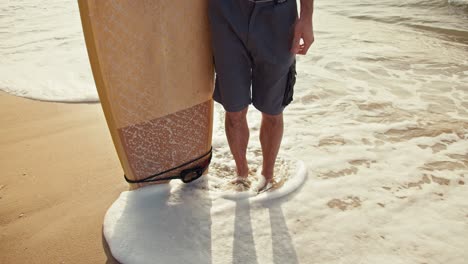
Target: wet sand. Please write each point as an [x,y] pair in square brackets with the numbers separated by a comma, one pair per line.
[59,175]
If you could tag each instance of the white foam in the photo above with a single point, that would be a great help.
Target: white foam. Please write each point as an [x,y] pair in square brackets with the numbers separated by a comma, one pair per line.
[149,225]
[42,52]
[171,223]
[294,181]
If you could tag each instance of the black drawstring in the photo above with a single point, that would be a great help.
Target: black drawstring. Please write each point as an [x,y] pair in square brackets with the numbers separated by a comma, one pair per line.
[186,175]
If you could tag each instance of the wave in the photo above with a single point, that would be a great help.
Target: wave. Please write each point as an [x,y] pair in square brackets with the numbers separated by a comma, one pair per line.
[462,3]
[42,52]
[453,35]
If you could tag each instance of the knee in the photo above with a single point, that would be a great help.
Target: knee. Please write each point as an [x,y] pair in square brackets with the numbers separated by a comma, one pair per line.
[272,120]
[234,119]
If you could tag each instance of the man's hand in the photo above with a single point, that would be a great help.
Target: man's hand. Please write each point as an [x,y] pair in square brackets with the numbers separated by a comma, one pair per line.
[302,30]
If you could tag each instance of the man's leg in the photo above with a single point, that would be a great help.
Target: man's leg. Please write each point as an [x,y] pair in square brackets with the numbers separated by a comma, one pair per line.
[271,133]
[237,133]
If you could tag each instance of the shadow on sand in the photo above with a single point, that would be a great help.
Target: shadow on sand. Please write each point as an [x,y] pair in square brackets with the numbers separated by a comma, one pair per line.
[244,246]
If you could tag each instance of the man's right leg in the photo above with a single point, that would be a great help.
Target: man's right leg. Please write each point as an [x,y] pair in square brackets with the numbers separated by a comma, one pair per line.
[237,133]
[233,64]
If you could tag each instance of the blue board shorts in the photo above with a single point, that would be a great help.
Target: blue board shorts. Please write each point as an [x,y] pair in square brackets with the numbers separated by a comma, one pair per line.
[252,53]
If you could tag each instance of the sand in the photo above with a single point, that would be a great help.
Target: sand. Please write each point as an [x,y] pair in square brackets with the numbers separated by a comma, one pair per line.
[59,175]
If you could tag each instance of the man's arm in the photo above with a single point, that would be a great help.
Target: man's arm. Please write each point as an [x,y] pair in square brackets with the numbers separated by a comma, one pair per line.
[304,29]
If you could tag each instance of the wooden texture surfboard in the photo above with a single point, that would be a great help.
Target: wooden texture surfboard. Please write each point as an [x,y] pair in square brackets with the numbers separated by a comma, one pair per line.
[152,65]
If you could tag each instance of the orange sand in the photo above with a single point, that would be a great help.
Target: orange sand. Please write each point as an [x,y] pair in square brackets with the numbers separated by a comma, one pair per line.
[59,175]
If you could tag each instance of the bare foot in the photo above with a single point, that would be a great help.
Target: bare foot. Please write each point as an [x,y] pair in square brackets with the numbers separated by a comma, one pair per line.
[264,184]
[244,181]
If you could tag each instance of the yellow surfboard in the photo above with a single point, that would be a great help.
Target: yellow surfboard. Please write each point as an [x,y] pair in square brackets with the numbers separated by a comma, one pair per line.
[152,65]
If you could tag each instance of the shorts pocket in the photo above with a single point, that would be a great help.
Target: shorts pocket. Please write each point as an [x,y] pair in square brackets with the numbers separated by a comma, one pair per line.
[291,81]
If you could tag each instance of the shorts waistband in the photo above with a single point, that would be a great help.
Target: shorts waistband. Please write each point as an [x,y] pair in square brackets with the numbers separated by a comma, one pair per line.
[266,1]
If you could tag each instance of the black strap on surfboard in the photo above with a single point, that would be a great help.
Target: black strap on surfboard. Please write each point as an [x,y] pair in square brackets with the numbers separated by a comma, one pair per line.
[186,175]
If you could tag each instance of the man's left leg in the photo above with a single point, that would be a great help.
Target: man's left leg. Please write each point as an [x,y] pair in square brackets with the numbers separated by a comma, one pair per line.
[271,134]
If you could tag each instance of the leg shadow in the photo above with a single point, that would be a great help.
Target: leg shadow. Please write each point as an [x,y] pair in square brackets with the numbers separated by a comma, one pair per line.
[243,245]
[282,244]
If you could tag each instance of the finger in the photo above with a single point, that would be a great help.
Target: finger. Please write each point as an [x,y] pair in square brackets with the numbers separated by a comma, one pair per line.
[307,44]
[306,47]
[301,50]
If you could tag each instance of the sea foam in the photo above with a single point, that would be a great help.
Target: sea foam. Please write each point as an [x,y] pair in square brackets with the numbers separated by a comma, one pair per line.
[42,52]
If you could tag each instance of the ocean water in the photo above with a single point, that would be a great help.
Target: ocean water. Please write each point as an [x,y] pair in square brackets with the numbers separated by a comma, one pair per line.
[419,42]
[42,51]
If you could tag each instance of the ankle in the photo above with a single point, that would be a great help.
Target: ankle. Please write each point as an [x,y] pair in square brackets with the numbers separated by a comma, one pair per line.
[267,175]
[243,172]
